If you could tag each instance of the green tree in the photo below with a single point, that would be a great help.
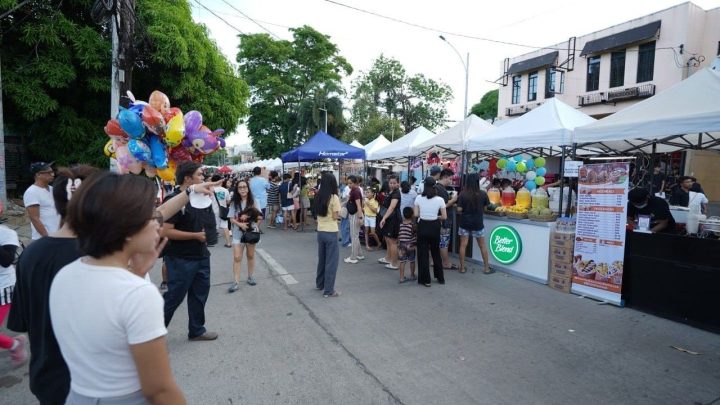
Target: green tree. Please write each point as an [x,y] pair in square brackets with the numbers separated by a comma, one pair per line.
[56,73]
[487,108]
[291,82]
[387,98]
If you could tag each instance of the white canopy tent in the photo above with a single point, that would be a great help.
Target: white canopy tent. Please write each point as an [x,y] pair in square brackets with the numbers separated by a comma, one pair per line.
[550,125]
[356,144]
[689,107]
[456,138]
[376,145]
[405,146]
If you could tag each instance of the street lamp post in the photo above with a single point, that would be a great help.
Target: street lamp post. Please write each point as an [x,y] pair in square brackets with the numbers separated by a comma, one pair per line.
[466,66]
[325,110]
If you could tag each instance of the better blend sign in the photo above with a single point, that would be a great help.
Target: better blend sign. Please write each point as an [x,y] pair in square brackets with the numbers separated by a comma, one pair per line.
[505,244]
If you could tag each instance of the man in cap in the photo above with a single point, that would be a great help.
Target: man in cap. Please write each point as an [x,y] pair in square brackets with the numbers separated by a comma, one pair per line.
[39,202]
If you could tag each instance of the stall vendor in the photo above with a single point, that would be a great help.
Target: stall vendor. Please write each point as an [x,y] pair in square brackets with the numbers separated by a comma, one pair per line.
[640,202]
[684,196]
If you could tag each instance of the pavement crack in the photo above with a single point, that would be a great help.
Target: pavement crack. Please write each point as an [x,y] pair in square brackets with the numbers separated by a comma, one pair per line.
[333,338]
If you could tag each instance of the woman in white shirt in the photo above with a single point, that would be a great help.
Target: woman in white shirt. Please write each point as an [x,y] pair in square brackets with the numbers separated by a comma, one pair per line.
[429,209]
[107,317]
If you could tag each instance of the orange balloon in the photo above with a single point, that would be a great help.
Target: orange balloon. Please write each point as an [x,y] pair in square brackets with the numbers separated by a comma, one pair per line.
[153,120]
[159,101]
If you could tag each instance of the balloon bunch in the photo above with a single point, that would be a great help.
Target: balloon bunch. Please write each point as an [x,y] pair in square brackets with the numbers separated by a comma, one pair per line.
[477,167]
[533,169]
[154,137]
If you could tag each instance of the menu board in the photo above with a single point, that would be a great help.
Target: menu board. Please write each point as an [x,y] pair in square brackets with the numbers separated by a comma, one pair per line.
[600,231]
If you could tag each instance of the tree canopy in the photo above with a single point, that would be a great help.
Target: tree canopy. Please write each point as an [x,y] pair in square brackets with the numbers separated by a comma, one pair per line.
[293,85]
[487,108]
[56,64]
[386,99]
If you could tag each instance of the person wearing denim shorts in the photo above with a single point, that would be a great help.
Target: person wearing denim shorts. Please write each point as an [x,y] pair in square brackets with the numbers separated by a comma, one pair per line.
[470,205]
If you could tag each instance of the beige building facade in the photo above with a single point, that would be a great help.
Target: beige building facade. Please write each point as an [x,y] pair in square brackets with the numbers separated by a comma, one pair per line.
[608,70]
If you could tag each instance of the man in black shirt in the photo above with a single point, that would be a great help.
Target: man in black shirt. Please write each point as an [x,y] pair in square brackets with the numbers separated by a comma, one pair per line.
[187,256]
[446,226]
[640,202]
[658,180]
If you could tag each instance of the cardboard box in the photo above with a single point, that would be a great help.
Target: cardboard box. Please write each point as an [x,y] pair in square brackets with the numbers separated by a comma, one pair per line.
[561,236]
[563,243]
[561,254]
[560,283]
[561,269]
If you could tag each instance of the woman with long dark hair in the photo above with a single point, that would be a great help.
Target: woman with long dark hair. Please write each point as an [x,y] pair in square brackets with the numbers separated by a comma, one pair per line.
[327,206]
[390,219]
[471,202]
[242,202]
[430,210]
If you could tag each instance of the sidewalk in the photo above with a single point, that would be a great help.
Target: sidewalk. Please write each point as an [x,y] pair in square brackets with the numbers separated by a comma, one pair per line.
[497,338]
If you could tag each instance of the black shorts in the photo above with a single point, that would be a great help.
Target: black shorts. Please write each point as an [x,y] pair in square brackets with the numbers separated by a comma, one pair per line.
[391,229]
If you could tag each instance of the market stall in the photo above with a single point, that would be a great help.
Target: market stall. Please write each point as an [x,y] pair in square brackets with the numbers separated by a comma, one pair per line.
[548,127]
[670,274]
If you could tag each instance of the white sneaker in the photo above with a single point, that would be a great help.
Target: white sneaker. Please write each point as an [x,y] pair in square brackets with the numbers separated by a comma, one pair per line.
[361,257]
[351,260]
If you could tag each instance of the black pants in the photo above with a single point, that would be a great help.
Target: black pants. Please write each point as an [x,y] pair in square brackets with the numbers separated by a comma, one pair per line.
[428,241]
[191,278]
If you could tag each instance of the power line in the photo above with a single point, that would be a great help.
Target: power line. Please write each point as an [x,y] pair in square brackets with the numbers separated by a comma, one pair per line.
[13,9]
[436,30]
[249,18]
[246,18]
[220,18]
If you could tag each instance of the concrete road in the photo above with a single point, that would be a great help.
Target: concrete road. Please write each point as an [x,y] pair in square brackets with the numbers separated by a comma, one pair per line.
[482,339]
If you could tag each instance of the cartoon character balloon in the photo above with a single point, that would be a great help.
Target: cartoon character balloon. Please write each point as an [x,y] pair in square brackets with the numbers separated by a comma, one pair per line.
[131,123]
[159,101]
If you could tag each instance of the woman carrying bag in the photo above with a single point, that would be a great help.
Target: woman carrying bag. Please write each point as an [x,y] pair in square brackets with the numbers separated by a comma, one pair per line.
[244,216]
[430,210]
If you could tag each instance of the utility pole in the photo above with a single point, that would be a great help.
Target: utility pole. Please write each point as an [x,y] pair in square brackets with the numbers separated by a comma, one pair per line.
[122,27]
[3,184]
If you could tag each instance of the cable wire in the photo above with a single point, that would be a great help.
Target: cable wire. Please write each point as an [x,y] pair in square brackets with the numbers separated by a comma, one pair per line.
[249,18]
[436,30]
[220,18]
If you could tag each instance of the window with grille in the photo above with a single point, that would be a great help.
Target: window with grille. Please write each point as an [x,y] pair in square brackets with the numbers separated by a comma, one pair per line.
[532,86]
[617,68]
[646,62]
[516,89]
[593,73]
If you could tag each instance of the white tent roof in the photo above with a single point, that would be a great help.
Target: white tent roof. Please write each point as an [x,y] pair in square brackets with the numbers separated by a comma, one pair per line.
[689,107]
[549,125]
[376,145]
[405,146]
[356,144]
[456,137]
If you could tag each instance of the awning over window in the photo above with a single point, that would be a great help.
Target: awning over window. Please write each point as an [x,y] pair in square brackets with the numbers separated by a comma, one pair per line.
[628,37]
[533,63]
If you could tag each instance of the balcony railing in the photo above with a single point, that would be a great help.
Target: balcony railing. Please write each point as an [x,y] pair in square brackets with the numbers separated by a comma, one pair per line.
[591,99]
[520,109]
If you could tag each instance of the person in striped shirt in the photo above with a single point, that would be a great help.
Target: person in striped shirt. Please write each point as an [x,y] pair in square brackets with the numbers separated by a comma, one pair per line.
[406,245]
[273,198]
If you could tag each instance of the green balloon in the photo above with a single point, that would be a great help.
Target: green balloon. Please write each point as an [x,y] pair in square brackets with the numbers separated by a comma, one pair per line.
[501,163]
[540,180]
[540,162]
[521,167]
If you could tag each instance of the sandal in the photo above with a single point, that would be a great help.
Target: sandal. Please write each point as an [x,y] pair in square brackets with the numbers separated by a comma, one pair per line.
[226,245]
[490,271]
[462,271]
[453,266]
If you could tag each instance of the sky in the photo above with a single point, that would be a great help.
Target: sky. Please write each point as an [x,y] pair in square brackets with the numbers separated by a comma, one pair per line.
[362,37]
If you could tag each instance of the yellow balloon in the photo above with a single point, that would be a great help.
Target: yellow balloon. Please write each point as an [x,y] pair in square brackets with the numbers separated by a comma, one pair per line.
[167,174]
[175,131]
[109,149]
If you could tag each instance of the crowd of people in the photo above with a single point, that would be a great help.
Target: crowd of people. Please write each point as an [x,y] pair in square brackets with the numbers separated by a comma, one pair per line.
[81,291]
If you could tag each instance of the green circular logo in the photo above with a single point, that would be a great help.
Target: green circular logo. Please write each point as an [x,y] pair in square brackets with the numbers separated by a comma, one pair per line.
[505,244]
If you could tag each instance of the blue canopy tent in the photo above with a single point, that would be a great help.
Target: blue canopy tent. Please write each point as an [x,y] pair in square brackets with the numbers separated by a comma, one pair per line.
[322,146]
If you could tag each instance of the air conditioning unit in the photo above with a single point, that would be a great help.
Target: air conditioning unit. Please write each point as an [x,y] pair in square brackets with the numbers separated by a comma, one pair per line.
[623,94]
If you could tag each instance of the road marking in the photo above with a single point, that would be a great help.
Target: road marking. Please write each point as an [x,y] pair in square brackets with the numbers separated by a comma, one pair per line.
[276,267]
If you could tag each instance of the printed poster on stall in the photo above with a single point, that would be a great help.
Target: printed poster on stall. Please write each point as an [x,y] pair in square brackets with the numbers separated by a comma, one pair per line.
[600,231]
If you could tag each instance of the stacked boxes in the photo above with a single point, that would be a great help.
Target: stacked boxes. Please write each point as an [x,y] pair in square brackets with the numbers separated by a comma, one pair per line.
[560,270]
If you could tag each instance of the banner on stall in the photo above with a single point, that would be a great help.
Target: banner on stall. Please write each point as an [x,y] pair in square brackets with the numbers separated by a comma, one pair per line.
[600,231]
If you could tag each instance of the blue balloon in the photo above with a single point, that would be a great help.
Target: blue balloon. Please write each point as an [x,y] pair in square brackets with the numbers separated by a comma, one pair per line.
[158,153]
[540,171]
[131,123]
[510,167]
[530,164]
[518,158]
[530,185]
[137,109]
[139,149]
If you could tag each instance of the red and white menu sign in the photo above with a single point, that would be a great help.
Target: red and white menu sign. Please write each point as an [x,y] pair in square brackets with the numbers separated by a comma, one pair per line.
[600,231]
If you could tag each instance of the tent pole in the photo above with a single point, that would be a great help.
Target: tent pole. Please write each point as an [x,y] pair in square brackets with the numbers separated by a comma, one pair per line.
[570,184]
[302,211]
[562,173]
[652,165]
